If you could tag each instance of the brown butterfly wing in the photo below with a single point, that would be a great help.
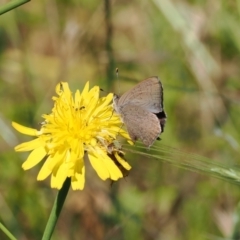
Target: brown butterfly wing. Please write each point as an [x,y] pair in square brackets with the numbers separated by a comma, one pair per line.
[148,94]
[141,124]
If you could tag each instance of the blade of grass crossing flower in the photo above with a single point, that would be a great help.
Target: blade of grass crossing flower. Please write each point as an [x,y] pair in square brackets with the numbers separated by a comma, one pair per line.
[189,161]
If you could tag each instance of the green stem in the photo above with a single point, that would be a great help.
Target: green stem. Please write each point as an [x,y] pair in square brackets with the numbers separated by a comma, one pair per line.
[56,210]
[3,228]
[11,5]
[109,49]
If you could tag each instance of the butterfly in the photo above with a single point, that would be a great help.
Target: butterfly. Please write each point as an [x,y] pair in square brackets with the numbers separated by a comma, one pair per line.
[141,110]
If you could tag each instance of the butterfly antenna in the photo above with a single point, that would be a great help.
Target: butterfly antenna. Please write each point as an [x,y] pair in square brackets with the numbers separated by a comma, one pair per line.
[118,83]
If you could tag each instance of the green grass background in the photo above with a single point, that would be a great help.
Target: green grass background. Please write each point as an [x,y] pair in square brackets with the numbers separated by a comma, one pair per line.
[193,46]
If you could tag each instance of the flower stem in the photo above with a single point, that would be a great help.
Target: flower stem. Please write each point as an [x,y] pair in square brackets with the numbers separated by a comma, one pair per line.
[56,210]
[11,5]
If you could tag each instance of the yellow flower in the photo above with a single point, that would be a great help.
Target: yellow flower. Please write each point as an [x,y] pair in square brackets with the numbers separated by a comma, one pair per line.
[79,126]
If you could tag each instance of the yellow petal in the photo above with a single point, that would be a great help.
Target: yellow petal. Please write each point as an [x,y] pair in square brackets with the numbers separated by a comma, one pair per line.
[55,180]
[69,162]
[104,166]
[77,99]
[93,93]
[58,157]
[78,180]
[91,101]
[61,175]
[65,87]
[45,170]
[126,135]
[60,88]
[29,146]
[114,171]
[77,151]
[100,108]
[60,168]
[85,90]
[34,158]
[122,162]
[99,167]
[106,100]
[25,130]
[54,183]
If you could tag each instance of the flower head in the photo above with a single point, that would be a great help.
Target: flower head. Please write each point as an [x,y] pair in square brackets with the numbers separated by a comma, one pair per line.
[79,126]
